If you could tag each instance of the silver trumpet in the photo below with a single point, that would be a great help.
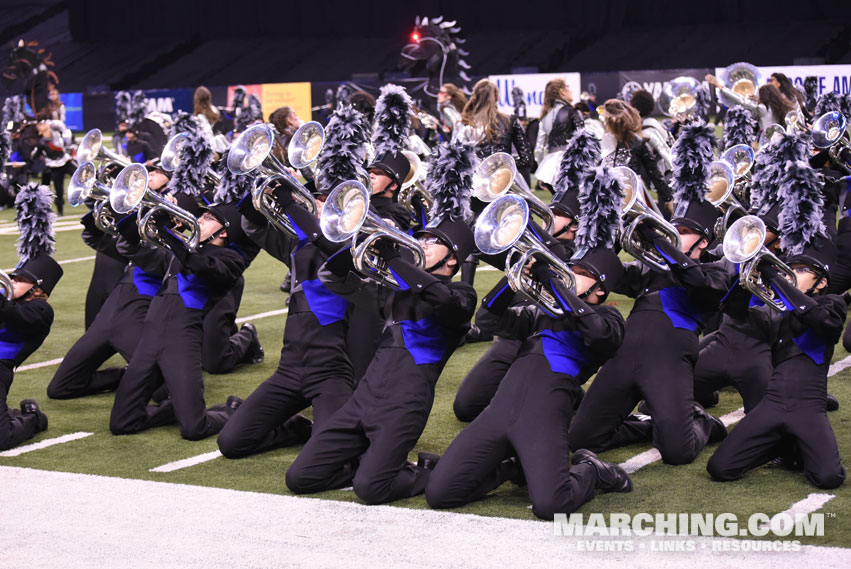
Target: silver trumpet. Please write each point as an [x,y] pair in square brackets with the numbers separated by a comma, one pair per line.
[84,185]
[253,150]
[130,192]
[635,211]
[744,243]
[411,185]
[830,131]
[6,290]
[497,176]
[720,192]
[504,226]
[346,215]
[91,148]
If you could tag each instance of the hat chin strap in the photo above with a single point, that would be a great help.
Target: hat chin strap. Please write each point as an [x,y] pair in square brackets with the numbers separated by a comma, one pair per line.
[821,274]
[441,262]
[213,235]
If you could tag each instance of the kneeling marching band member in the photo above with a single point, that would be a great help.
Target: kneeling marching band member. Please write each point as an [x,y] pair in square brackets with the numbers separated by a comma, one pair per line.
[25,313]
[660,347]
[790,420]
[522,434]
[366,443]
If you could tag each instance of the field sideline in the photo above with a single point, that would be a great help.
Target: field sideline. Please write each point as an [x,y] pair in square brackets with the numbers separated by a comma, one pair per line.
[658,488]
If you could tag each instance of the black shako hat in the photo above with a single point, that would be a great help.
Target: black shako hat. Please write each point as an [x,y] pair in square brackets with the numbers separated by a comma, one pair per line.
[42,270]
[394,164]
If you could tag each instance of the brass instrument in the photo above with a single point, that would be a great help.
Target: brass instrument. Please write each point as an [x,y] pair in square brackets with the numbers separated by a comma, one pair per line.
[411,185]
[744,243]
[496,176]
[743,79]
[679,97]
[171,157]
[796,123]
[130,192]
[346,215]
[86,184]
[504,226]
[91,148]
[720,193]
[635,211]
[253,151]
[305,146]
[6,290]
[768,135]
[830,131]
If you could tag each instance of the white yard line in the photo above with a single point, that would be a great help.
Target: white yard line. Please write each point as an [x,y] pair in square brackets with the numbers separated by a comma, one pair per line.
[808,505]
[46,443]
[112,522]
[836,367]
[187,462]
[48,363]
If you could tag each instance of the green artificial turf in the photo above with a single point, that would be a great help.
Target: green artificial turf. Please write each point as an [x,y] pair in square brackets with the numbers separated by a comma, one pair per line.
[658,488]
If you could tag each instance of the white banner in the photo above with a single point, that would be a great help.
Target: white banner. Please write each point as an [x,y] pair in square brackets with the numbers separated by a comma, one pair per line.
[533,89]
[830,77]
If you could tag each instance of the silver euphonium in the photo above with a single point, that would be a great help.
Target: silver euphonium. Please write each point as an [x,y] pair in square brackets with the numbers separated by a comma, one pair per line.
[497,175]
[346,215]
[679,97]
[744,243]
[504,226]
[412,186]
[830,131]
[6,290]
[635,211]
[254,150]
[171,157]
[305,146]
[84,185]
[130,192]
[91,149]
[720,188]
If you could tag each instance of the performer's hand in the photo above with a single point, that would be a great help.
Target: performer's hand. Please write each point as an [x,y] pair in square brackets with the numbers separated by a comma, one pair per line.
[541,272]
[387,249]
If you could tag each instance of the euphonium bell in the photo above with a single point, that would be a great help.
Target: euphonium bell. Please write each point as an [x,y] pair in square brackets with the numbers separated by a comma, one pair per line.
[6,290]
[305,145]
[679,97]
[497,176]
[742,78]
[130,192]
[253,150]
[744,243]
[829,131]
[503,226]
[795,122]
[634,209]
[740,158]
[84,185]
[91,148]
[346,215]
[411,185]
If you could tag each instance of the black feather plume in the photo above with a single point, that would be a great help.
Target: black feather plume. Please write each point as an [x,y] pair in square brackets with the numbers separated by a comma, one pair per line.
[801,205]
[35,219]
[238,98]
[691,155]
[123,103]
[196,156]
[450,181]
[599,211]
[138,108]
[344,151]
[255,107]
[769,166]
[392,120]
[810,92]
[830,101]
[739,127]
[703,100]
[233,187]
[581,156]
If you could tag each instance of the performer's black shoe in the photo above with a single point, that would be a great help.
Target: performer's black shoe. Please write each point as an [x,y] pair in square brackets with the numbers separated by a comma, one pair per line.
[303,428]
[610,477]
[711,400]
[718,432]
[30,407]
[475,334]
[286,285]
[832,403]
[427,460]
[255,353]
[514,469]
[233,403]
[580,395]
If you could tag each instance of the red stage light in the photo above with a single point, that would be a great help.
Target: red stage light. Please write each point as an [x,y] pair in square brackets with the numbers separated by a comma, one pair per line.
[415,36]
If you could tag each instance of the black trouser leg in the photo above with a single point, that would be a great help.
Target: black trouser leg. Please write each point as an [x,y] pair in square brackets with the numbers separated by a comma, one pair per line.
[13,430]
[223,346]
[817,444]
[753,442]
[481,382]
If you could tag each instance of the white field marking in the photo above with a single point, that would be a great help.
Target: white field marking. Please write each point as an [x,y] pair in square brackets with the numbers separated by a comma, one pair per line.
[808,505]
[58,361]
[221,529]
[650,456]
[46,443]
[187,462]
[64,262]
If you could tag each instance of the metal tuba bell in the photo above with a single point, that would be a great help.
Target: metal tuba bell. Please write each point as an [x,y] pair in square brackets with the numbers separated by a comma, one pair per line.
[6,290]
[91,148]
[130,192]
[635,211]
[744,243]
[679,97]
[253,150]
[504,226]
[829,131]
[496,176]
[346,215]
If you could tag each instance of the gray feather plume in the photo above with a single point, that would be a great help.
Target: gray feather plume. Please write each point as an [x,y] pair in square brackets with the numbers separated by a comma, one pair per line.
[123,102]
[344,151]
[233,187]
[450,181]
[739,127]
[138,108]
[800,217]
[810,92]
[692,153]
[830,101]
[392,121]
[195,157]
[599,211]
[35,219]
[769,167]
[580,157]
[5,135]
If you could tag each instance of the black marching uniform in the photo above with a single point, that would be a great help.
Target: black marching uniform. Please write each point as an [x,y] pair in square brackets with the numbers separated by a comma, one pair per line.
[169,351]
[531,411]
[366,443]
